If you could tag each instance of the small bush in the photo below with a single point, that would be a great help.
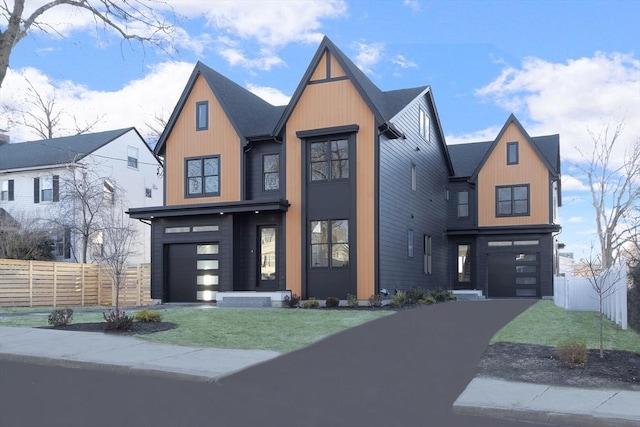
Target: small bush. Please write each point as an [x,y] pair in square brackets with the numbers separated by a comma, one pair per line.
[117,321]
[572,354]
[352,300]
[375,300]
[332,302]
[441,294]
[61,317]
[414,295]
[399,299]
[311,303]
[291,301]
[148,316]
[427,299]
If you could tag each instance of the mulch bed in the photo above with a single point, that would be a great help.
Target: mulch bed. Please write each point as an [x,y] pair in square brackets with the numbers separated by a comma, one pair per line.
[141,328]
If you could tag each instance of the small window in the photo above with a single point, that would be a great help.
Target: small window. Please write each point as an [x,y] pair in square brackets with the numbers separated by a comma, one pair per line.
[202,115]
[6,190]
[464,263]
[148,192]
[512,200]
[108,192]
[170,230]
[424,124]
[204,228]
[97,244]
[512,153]
[463,204]
[410,243]
[414,177]
[271,172]
[427,254]
[203,177]
[132,157]
[46,189]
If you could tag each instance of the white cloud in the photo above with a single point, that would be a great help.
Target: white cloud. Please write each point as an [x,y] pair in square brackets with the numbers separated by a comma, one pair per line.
[265,61]
[570,98]
[269,94]
[488,134]
[412,4]
[368,55]
[570,183]
[403,62]
[576,219]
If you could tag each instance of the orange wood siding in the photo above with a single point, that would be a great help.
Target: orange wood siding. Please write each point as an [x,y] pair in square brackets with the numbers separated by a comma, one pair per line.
[326,105]
[336,69]
[529,170]
[320,72]
[184,141]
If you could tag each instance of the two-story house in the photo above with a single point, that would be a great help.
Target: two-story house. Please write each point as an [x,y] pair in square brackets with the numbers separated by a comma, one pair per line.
[342,191]
[36,177]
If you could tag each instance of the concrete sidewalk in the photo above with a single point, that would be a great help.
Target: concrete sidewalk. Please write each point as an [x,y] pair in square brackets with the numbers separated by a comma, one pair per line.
[124,354]
[549,404]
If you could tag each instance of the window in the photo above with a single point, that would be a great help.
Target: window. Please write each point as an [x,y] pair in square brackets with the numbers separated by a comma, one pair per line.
[463,204]
[202,115]
[512,153]
[148,192]
[46,189]
[6,190]
[427,254]
[271,172]
[203,177]
[330,237]
[132,157]
[410,243]
[61,242]
[414,177]
[329,160]
[109,192]
[512,200]
[464,263]
[424,125]
[97,244]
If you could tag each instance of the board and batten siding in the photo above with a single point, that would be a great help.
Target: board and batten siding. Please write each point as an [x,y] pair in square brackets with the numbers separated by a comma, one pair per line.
[402,209]
[219,139]
[325,105]
[529,170]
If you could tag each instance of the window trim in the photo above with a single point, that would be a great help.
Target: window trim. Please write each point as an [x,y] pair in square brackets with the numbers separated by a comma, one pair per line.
[512,187]
[132,161]
[330,242]
[199,125]
[203,193]
[517,153]
[329,160]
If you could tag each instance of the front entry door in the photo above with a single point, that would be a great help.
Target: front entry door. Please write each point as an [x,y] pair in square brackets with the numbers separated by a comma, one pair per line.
[267,262]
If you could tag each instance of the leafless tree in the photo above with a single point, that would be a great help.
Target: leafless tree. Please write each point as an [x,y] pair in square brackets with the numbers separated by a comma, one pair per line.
[615,189]
[121,16]
[21,239]
[155,128]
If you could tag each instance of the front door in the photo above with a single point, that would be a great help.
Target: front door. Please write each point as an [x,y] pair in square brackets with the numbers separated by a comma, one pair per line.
[267,262]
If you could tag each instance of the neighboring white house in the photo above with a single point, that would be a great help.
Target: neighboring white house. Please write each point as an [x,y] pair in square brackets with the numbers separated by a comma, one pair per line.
[34,175]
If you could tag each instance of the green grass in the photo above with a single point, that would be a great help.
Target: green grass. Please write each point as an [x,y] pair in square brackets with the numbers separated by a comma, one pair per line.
[546,324]
[281,330]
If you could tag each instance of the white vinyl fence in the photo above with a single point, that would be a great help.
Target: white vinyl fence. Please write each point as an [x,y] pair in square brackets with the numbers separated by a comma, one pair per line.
[578,293]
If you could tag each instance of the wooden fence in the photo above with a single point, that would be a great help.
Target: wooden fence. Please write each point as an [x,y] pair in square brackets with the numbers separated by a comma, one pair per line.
[43,283]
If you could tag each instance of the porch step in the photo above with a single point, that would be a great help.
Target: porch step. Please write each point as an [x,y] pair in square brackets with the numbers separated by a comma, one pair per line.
[251,298]
[245,301]
[468,295]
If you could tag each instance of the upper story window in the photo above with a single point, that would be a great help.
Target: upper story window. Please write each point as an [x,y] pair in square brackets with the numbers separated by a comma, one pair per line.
[202,115]
[271,172]
[6,190]
[203,176]
[329,160]
[132,157]
[46,189]
[512,200]
[463,204]
[414,177]
[424,124]
[109,192]
[512,153]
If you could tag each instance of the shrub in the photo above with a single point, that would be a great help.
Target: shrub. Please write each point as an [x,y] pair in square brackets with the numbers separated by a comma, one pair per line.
[311,303]
[352,300]
[399,299]
[332,302]
[427,299]
[291,301]
[117,321]
[148,316]
[572,353]
[61,317]
[441,294]
[375,300]
[414,295]
[633,298]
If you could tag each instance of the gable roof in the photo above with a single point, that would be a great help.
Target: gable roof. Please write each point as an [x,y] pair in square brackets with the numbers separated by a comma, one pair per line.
[55,151]
[250,115]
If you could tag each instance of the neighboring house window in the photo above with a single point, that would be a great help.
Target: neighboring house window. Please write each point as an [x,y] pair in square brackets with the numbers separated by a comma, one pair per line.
[62,243]
[329,160]
[148,192]
[203,176]
[512,200]
[132,157]
[464,263]
[46,189]
[109,192]
[6,190]
[463,204]
[424,124]
[410,243]
[97,244]
[271,172]
[202,115]
[427,254]
[512,153]
[414,177]
[330,243]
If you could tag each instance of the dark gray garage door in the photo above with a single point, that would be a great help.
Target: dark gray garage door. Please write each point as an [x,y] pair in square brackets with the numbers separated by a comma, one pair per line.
[193,272]
[514,275]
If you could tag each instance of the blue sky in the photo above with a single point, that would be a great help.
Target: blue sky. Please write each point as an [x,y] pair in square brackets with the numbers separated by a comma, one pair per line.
[560,66]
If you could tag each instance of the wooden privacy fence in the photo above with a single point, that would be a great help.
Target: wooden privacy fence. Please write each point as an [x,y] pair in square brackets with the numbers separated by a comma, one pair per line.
[43,283]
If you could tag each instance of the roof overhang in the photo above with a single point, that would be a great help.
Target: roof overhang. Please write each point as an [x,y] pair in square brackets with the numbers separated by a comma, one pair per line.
[175,211]
[517,229]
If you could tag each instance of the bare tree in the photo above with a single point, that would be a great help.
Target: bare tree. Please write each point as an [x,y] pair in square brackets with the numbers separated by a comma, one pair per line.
[21,239]
[121,16]
[155,128]
[614,187]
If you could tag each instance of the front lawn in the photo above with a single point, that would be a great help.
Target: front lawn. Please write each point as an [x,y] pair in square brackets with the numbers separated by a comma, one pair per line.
[546,324]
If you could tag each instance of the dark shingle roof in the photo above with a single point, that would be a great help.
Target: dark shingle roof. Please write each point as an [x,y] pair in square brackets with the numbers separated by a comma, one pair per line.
[54,151]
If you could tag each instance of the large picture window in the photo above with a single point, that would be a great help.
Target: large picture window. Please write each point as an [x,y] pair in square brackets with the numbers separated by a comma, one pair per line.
[203,177]
[329,160]
[512,200]
[330,243]
[271,172]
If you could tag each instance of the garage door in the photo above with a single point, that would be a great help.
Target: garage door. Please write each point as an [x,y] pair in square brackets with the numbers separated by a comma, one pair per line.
[194,272]
[514,275]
